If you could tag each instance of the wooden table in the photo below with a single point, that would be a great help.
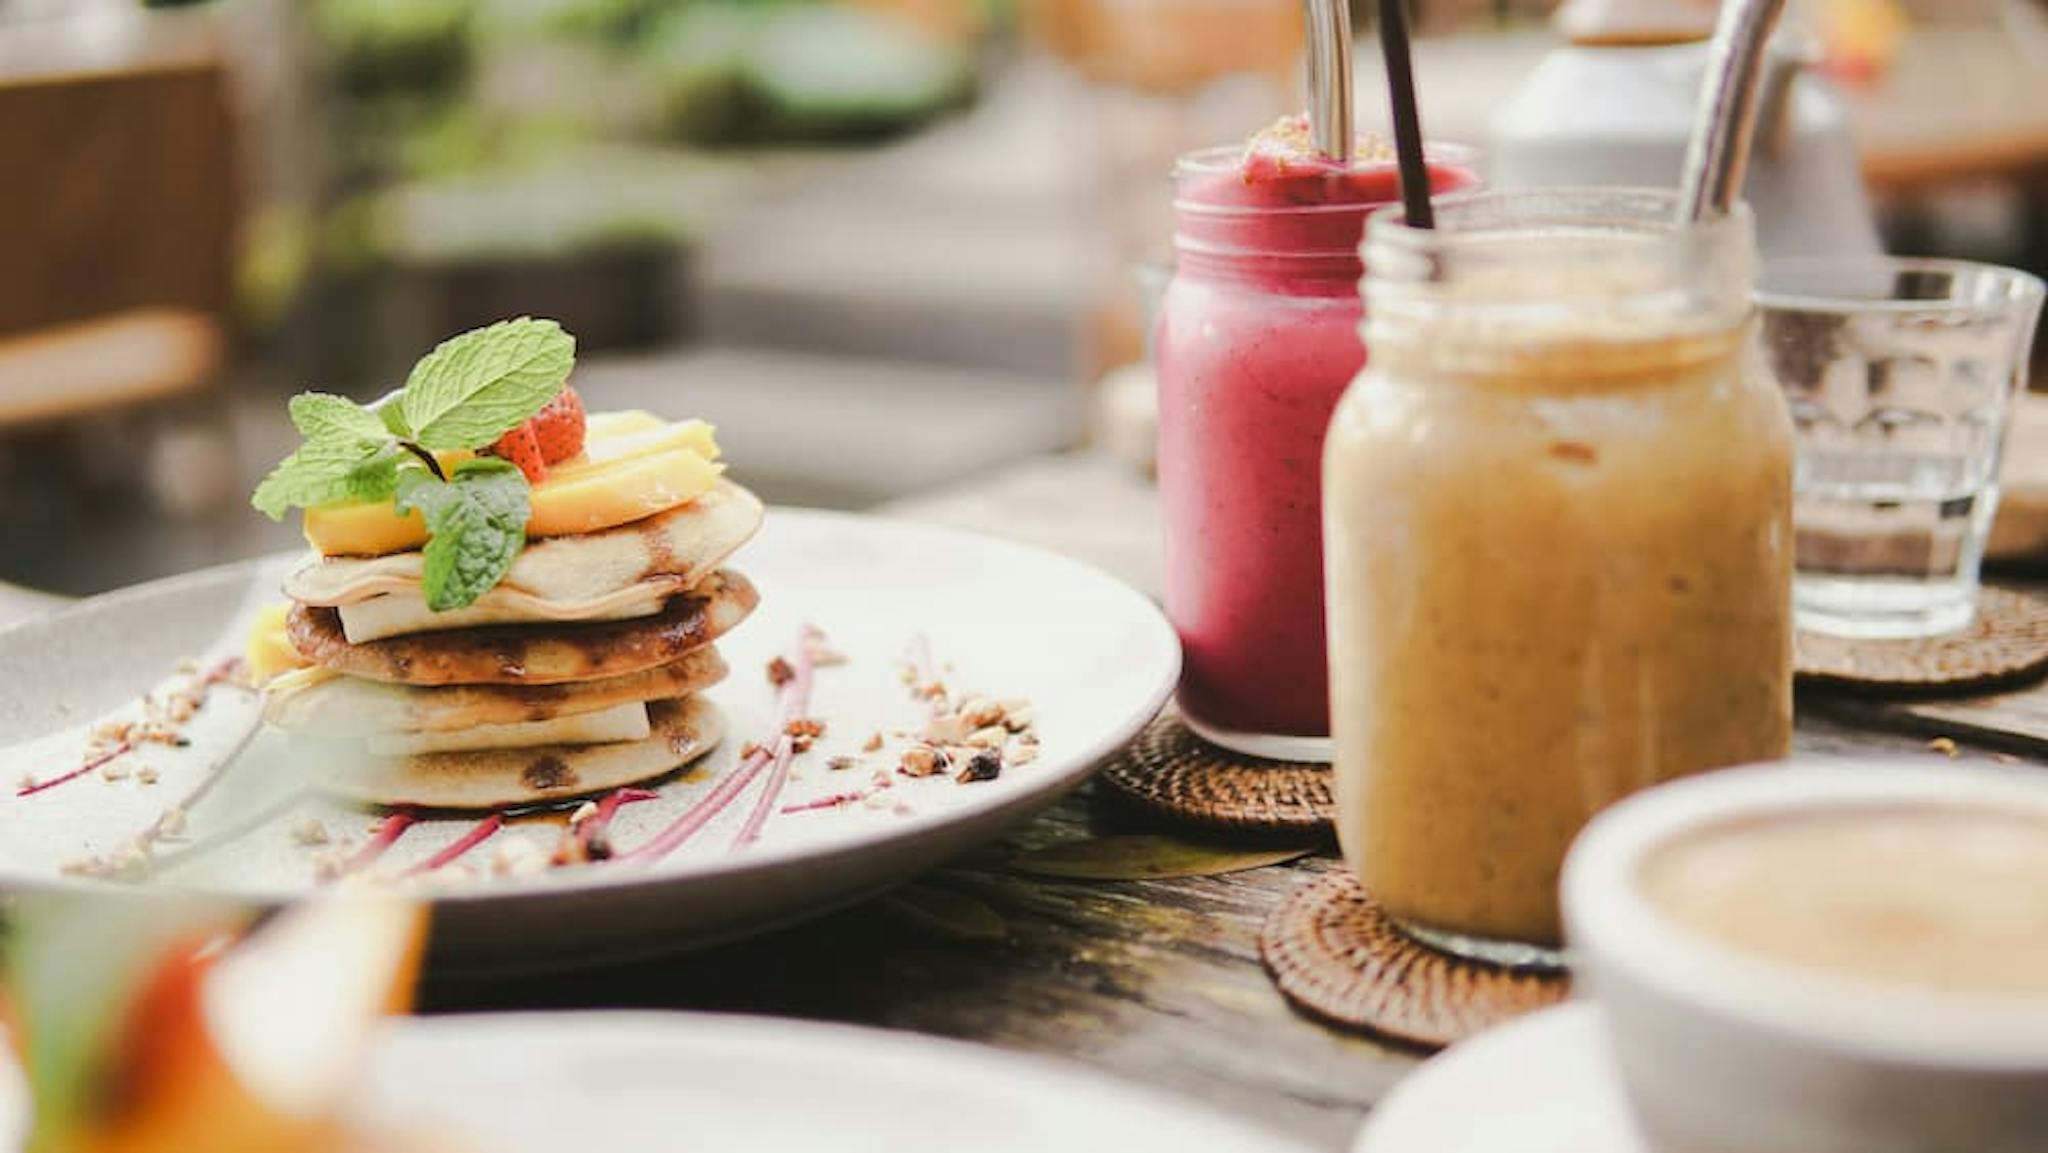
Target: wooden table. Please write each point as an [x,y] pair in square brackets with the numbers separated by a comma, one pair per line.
[1155,981]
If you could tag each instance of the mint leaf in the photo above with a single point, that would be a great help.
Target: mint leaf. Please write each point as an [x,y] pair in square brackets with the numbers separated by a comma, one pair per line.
[476,387]
[476,527]
[322,472]
[325,419]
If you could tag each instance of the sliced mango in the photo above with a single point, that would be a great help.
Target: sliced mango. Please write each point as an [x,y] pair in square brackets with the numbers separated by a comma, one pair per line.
[633,465]
[268,651]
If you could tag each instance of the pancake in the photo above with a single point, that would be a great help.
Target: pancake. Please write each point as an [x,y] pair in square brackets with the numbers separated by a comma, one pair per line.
[500,778]
[530,654]
[614,574]
[328,705]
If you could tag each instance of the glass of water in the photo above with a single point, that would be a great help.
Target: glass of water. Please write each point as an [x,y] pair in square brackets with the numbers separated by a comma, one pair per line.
[1901,375]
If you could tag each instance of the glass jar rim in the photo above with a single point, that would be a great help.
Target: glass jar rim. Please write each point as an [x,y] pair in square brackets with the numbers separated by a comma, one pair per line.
[1781,285]
[1630,211]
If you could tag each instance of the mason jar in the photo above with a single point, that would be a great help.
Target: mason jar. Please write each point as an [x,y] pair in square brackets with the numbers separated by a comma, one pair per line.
[1258,336]
[1558,523]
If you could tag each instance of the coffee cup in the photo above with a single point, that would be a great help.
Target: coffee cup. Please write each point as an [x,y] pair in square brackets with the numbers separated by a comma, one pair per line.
[1824,957]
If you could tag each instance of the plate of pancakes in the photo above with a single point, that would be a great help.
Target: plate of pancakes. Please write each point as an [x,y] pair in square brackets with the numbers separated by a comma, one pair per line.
[696,724]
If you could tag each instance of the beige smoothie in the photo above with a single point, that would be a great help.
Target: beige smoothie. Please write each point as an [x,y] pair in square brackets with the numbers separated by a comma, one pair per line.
[1559,572]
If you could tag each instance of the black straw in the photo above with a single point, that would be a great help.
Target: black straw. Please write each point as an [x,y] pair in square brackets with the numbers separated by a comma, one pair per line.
[1407,121]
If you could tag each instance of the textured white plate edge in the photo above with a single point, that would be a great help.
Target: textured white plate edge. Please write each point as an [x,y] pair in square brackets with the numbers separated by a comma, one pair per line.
[894,1059]
[1046,785]
[1568,1040]
[878,1053]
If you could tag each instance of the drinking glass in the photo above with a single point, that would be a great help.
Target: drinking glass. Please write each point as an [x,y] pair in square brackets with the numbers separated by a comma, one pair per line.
[1901,376]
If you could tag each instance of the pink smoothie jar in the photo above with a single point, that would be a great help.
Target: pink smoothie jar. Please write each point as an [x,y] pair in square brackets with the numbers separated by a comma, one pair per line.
[1258,336]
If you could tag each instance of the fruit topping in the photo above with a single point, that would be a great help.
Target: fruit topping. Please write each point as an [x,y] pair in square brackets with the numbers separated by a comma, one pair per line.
[559,426]
[522,447]
[550,436]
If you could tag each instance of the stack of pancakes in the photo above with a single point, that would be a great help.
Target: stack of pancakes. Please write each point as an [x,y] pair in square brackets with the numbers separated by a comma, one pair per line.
[577,673]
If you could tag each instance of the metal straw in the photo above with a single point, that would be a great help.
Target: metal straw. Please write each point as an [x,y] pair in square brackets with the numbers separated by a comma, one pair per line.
[1329,77]
[1722,128]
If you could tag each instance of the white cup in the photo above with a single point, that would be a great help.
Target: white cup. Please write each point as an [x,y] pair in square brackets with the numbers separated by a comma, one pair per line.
[1724,1050]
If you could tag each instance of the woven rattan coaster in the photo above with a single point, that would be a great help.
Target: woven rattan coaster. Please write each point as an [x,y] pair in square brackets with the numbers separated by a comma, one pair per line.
[2007,642]
[1337,957]
[1171,772]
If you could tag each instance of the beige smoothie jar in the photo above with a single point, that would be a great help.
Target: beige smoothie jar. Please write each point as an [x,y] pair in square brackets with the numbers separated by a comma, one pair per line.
[1558,529]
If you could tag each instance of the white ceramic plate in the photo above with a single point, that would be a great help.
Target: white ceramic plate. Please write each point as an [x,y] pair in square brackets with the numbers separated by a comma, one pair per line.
[1547,1083]
[1095,657]
[654,1082]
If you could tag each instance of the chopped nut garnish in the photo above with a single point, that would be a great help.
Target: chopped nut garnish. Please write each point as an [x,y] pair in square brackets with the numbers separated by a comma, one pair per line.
[583,812]
[1945,747]
[147,774]
[26,782]
[946,729]
[1019,719]
[329,864]
[780,673]
[519,857]
[309,833]
[750,750]
[991,737]
[873,744]
[114,771]
[980,713]
[804,732]
[1024,753]
[841,764]
[985,765]
[921,761]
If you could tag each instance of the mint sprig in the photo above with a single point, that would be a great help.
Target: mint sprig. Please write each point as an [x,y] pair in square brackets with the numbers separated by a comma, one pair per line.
[476,527]
[468,392]
[474,388]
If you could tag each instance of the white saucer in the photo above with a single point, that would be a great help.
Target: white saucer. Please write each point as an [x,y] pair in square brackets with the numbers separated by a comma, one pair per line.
[1547,1083]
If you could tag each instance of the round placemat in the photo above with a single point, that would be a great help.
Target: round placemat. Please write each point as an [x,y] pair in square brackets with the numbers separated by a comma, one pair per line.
[1171,772]
[1337,956]
[2008,641]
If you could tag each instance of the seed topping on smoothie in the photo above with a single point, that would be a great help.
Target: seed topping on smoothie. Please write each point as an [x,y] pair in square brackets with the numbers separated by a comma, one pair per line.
[1286,147]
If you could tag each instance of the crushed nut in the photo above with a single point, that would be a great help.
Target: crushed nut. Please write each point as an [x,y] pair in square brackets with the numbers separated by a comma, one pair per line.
[309,832]
[114,771]
[329,864]
[1025,753]
[1945,746]
[842,763]
[979,713]
[780,673]
[147,775]
[946,729]
[873,744]
[922,761]
[991,737]
[804,732]
[519,857]
[1019,720]
[985,765]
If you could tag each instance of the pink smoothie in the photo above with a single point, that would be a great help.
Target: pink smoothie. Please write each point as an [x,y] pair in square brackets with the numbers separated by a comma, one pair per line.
[1258,337]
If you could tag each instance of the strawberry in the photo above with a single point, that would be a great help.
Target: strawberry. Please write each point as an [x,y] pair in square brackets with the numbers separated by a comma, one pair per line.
[522,448]
[559,426]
